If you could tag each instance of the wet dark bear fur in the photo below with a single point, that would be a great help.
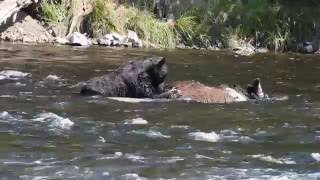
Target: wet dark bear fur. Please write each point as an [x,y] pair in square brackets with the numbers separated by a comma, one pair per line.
[136,79]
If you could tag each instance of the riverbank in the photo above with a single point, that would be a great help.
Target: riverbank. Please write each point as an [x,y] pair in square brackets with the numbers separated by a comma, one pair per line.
[105,23]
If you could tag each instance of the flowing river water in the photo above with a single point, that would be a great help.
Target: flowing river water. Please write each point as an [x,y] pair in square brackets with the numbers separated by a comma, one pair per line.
[49,131]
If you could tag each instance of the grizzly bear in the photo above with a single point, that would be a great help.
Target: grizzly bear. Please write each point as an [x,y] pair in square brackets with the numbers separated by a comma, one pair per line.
[137,79]
[196,91]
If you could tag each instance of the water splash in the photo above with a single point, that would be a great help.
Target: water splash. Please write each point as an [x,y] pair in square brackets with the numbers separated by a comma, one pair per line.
[55,121]
[202,136]
[13,75]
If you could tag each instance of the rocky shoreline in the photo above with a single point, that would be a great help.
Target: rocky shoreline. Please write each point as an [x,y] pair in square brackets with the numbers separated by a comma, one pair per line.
[19,26]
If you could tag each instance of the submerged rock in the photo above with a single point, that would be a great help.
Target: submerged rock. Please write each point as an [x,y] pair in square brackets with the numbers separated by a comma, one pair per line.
[78,39]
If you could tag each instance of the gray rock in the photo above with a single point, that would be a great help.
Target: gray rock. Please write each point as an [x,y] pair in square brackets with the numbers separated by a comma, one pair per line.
[181,46]
[104,41]
[61,40]
[127,44]
[26,30]
[78,39]
[115,43]
[262,50]
[9,10]
[307,47]
[138,44]
[108,37]
[133,37]
[117,36]
[151,45]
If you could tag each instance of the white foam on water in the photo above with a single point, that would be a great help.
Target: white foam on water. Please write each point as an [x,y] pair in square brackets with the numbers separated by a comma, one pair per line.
[106,174]
[199,156]
[101,139]
[202,136]
[5,115]
[20,84]
[273,160]
[8,96]
[40,178]
[137,100]
[280,98]
[13,75]
[235,136]
[151,134]
[130,176]
[136,121]
[173,160]
[315,156]
[55,121]
[179,127]
[53,77]
[134,158]
[116,155]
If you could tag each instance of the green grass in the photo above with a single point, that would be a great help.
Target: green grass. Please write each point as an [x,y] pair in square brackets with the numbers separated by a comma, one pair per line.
[192,32]
[106,17]
[152,30]
[54,12]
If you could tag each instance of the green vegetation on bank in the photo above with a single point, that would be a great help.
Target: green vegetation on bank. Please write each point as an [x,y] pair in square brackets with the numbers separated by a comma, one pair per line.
[275,24]
[107,17]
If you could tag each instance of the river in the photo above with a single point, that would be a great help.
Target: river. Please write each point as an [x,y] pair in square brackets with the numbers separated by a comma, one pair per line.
[49,131]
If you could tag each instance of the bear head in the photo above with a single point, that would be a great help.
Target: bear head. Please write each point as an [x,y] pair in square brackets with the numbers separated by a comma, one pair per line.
[156,68]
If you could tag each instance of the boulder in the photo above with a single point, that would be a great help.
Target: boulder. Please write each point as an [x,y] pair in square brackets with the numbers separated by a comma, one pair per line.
[112,39]
[133,37]
[244,51]
[127,44]
[138,44]
[116,43]
[9,10]
[78,39]
[61,40]
[262,50]
[306,47]
[108,37]
[27,30]
[118,37]
[181,46]
[104,41]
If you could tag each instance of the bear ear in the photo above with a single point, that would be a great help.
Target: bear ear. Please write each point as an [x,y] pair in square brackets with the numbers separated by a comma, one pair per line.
[161,62]
[256,82]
